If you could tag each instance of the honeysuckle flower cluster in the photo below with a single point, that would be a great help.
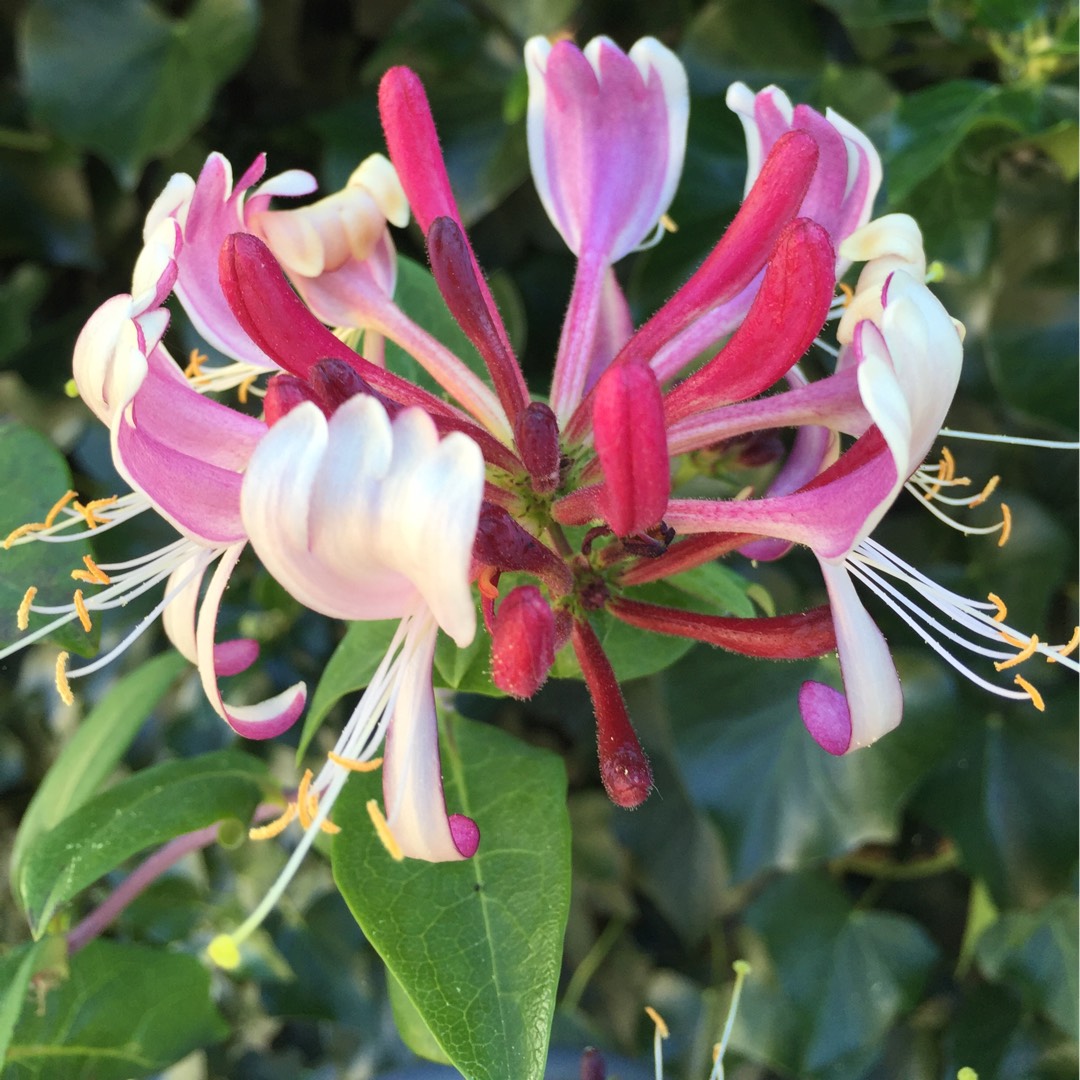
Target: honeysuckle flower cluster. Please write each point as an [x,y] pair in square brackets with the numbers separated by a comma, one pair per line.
[367,497]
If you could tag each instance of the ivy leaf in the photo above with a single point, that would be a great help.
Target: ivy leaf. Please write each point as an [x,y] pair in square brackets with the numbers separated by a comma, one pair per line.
[92,753]
[152,80]
[150,808]
[779,799]
[35,476]
[475,945]
[837,979]
[1037,953]
[124,1011]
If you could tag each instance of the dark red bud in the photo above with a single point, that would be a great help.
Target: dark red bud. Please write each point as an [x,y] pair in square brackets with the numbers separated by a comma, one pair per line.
[283,393]
[536,432]
[624,768]
[592,1065]
[501,542]
[334,381]
[523,643]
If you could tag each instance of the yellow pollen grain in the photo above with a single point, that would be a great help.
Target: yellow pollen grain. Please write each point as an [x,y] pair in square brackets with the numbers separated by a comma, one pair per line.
[195,362]
[80,610]
[1006,525]
[1024,654]
[22,617]
[1036,697]
[382,831]
[353,765]
[63,687]
[22,530]
[59,505]
[986,492]
[1002,611]
[275,827]
[93,573]
[658,1020]
[1068,648]
[848,291]
[303,802]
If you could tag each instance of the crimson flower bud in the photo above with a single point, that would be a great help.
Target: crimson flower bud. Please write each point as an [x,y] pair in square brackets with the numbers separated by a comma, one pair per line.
[593,1066]
[631,443]
[283,393]
[536,432]
[523,642]
[335,381]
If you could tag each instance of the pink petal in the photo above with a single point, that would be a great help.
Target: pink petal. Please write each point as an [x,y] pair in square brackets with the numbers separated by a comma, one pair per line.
[266,719]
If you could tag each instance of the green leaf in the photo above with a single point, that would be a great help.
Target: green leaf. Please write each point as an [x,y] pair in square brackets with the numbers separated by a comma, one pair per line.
[1038,953]
[125,1011]
[837,979]
[779,799]
[20,294]
[349,669]
[476,945]
[35,476]
[16,970]
[152,81]
[150,808]
[95,749]
[410,1024]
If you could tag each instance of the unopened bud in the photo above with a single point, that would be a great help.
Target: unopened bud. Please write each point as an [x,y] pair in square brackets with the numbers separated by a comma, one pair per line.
[283,393]
[501,542]
[631,442]
[335,381]
[536,432]
[593,1066]
[523,643]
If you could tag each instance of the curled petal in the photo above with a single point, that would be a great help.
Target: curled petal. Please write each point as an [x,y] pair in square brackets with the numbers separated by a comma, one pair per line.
[412,774]
[266,719]
[872,704]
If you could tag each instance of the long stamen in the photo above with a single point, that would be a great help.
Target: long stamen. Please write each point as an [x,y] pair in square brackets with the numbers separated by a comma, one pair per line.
[63,688]
[1025,653]
[1036,697]
[22,617]
[741,969]
[80,610]
[275,827]
[382,831]
[93,574]
[660,1032]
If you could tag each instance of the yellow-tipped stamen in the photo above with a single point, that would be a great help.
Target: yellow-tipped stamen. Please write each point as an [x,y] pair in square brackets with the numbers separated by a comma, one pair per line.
[59,505]
[1006,525]
[986,492]
[224,952]
[996,600]
[244,387]
[80,610]
[63,687]
[848,291]
[303,802]
[1068,648]
[22,530]
[669,223]
[949,463]
[195,362]
[275,827]
[658,1020]
[486,583]
[382,831]
[93,573]
[90,510]
[353,765]
[742,970]
[22,616]
[1036,697]
[1025,653]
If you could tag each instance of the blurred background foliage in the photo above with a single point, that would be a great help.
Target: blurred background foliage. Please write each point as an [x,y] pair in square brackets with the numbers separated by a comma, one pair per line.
[908,910]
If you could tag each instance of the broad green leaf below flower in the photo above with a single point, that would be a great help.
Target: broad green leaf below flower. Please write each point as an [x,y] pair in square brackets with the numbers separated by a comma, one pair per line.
[152,807]
[123,1011]
[475,945]
[94,750]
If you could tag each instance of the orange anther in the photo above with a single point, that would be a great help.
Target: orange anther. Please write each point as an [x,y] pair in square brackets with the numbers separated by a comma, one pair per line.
[658,1020]
[196,360]
[382,831]
[80,610]
[986,492]
[59,505]
[1024,654]
[93,573]
[22,617]
[487,582]
[1069,647]
[303,801]
[22,530]
[1006,525]
[999,604]
[1036,697]
[275,827]
[244,387]
[848,291]
[353,765]
[63,687]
